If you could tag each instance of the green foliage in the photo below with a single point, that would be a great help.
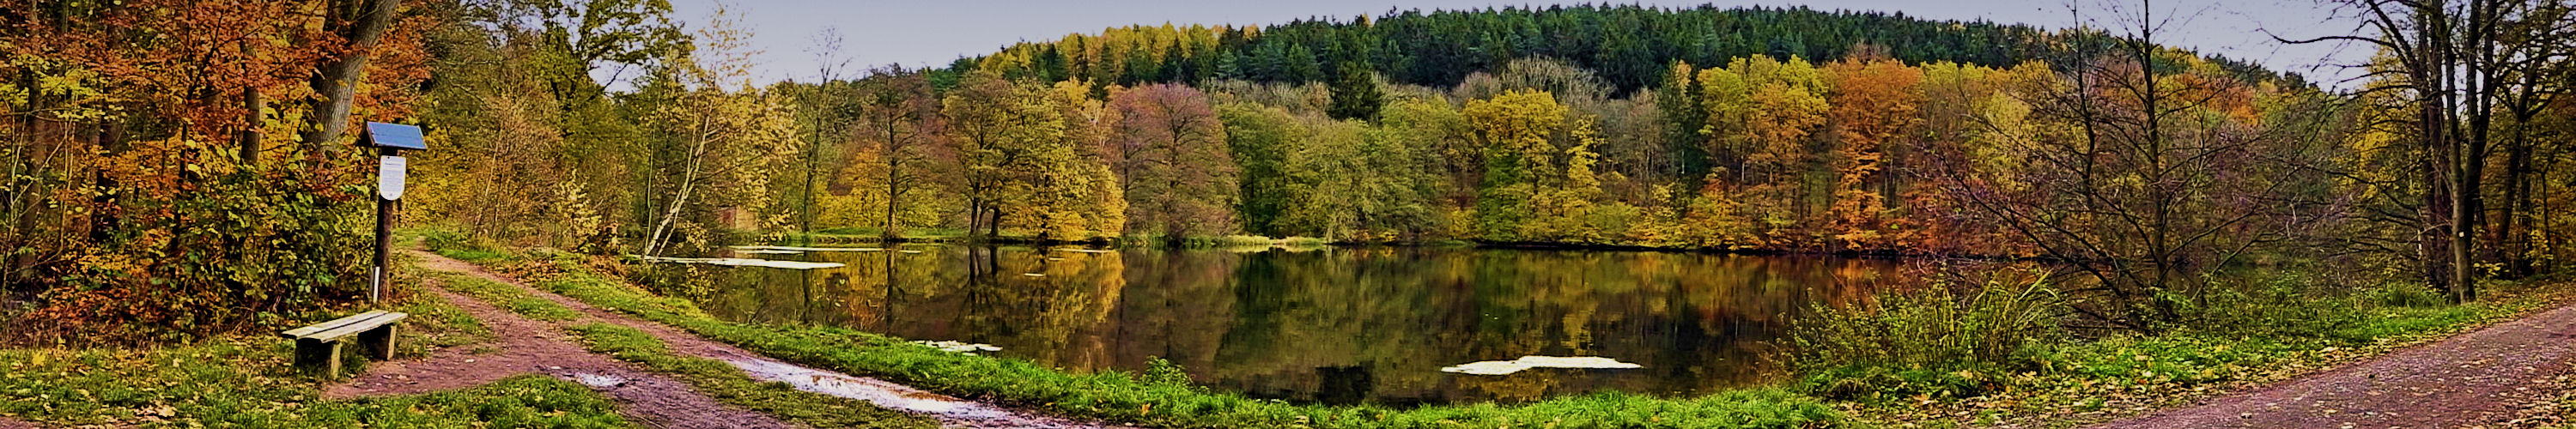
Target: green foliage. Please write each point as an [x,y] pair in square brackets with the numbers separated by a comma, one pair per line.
[1162,371]
[226,256]
[1260,138]
[1934,340]
[1513,131]
[1355,93]
[1028,161]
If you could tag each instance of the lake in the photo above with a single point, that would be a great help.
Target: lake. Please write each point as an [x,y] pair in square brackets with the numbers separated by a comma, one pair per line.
[1333,325]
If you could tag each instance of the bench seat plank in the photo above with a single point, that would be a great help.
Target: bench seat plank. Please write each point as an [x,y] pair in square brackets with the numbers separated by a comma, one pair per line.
[326,326]
[378,320]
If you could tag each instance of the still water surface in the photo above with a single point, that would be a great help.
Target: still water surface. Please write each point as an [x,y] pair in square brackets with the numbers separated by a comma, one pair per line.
[1330,325]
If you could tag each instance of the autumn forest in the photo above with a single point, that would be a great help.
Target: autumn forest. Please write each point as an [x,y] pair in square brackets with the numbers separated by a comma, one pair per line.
[182,173]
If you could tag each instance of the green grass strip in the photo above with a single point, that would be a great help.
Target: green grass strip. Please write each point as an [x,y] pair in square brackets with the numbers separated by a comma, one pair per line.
[434,322]
[1124,397]
[248,382]
[728,384]
[508,297]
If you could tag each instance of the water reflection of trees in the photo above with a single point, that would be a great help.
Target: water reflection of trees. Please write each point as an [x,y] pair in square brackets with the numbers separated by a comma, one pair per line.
[1335,325]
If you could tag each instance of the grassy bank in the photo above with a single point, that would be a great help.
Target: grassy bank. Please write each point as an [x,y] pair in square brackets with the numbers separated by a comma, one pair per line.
[248,381]
[2041,375]
[508,297]
[1163,399]
[1967,356]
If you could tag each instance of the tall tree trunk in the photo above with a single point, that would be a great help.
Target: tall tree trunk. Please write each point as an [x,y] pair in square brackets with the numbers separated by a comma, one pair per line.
[2512,249]
[894,194]
[2432,124]
[811,153]
[253,116]
[688,184]
[362,23]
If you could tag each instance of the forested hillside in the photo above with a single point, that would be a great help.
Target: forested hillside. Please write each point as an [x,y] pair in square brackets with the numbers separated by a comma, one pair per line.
[1626,46]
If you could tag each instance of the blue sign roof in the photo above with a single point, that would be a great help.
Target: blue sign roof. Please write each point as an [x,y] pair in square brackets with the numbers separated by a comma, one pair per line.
[397,136]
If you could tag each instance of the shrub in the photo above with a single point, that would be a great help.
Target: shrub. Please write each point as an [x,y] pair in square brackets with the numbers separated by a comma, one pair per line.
[231,253]
[1942,338]
[2283,304]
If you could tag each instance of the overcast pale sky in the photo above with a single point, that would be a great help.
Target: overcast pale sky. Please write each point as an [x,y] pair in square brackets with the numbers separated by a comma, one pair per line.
[934,32]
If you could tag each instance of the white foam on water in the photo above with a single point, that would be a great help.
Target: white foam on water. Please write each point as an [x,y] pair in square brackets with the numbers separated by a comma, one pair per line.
[959,346]
[1501,367]
[813,249]
[741,262]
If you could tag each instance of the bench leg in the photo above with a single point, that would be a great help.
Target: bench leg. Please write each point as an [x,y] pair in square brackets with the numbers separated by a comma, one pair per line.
[319,357]
[377,343]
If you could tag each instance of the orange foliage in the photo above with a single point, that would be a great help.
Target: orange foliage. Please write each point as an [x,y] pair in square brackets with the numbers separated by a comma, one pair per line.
[1875,104]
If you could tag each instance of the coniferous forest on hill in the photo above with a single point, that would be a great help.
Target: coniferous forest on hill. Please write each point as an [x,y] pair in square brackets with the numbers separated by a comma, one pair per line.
[182,172]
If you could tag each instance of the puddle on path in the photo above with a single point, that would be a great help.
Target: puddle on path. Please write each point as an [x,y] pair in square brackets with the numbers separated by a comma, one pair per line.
[884,394]
[598,380]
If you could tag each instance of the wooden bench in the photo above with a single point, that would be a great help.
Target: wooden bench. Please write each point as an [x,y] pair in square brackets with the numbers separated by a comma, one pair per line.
[317,347]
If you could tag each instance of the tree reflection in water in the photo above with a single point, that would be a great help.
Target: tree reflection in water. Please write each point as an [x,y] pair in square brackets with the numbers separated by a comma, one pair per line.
[1331,325]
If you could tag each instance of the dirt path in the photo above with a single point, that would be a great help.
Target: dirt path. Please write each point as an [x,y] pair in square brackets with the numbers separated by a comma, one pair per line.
[522,346]
[2498,376]
[950,411]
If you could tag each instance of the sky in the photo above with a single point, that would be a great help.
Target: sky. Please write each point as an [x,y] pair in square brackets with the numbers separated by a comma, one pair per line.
[934,32]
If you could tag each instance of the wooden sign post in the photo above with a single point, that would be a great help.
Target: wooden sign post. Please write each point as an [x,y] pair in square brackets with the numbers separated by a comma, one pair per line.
[389,140]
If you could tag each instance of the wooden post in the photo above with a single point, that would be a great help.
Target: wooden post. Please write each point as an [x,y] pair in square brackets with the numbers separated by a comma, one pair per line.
[389,140]
[318,357]
[378,343]
[385,211]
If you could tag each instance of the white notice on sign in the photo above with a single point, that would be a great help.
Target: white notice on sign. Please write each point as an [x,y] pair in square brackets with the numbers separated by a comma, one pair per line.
[389,177]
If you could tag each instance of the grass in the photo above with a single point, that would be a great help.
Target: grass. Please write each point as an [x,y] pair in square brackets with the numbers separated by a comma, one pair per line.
[2273,332]
[249,382]
[728,384]
[509,297]
[434,323]
[1158,401]
[454,244]
[2566,407]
